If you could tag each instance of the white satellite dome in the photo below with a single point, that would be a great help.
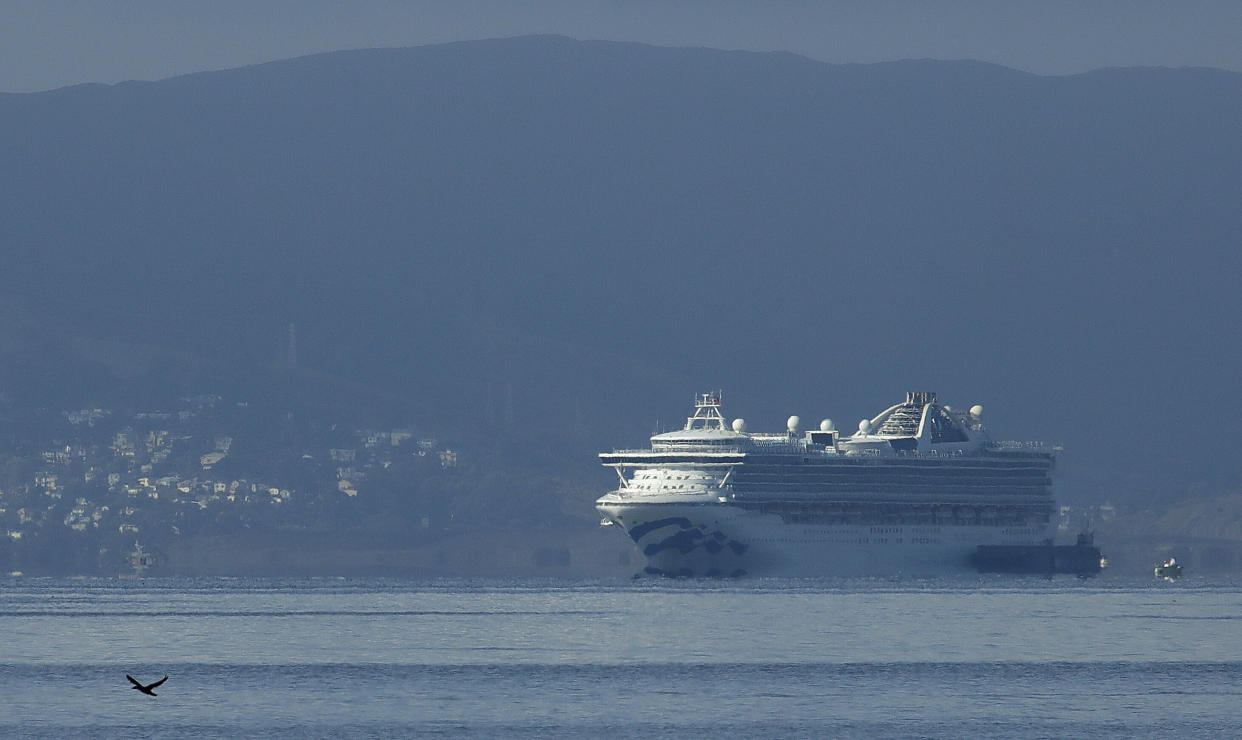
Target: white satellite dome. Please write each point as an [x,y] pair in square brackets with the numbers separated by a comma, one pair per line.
[792,424]
[864,426]
[826,425]
[739,426]
[976,411]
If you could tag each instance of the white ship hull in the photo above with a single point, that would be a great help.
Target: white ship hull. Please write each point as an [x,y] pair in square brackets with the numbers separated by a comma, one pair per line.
[720,539]
[916,491]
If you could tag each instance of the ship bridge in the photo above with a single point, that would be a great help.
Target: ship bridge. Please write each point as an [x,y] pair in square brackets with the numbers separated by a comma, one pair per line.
[706,428]
[696,458]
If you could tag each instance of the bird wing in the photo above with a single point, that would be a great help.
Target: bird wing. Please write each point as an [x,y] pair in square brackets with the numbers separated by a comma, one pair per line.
[133,680]
[157,683]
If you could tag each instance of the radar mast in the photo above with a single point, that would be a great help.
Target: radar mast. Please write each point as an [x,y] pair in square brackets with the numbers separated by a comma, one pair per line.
[707,413]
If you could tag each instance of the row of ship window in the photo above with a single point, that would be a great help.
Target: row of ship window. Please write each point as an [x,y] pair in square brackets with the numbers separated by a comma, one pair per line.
[852,540]
[837,520]
[661,482]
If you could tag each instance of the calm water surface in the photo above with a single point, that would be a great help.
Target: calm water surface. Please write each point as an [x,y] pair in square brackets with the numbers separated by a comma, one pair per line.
[988,657]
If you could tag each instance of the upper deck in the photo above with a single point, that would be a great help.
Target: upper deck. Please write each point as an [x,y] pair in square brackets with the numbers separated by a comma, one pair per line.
[917,432]
[914,456]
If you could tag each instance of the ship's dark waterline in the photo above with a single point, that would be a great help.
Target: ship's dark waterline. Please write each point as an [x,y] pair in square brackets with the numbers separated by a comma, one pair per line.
[979,657]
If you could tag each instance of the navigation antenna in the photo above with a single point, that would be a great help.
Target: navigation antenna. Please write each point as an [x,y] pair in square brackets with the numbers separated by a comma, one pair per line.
[707,412]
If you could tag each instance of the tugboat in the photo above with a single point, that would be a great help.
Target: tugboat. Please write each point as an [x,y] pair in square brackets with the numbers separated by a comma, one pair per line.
[1169,570]
[1082,559]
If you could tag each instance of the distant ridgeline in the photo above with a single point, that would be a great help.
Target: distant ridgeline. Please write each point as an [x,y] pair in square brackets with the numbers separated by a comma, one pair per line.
[568,228]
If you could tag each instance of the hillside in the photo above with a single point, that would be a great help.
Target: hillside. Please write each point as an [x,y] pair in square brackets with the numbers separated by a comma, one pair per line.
[607,228]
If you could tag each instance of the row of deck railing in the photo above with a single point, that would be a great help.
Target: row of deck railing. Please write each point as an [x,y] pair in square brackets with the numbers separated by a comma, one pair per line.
[800,448]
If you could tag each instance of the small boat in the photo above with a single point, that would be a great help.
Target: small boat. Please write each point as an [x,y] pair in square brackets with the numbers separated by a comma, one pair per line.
[139,560]
[1169,570]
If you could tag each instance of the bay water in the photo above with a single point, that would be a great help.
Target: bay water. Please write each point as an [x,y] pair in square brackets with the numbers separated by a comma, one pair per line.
[969,657]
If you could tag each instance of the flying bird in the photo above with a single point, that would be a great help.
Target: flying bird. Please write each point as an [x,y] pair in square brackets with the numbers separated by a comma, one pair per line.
[145,689]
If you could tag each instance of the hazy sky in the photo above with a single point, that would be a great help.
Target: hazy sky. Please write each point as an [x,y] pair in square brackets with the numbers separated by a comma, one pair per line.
[51,43]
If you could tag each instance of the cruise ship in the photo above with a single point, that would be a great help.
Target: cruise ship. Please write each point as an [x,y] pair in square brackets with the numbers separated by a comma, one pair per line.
[916,490]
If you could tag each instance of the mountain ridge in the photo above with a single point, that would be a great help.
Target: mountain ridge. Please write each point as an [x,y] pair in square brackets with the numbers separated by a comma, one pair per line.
[620,223]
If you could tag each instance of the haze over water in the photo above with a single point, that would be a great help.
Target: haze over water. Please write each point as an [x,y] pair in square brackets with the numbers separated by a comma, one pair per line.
[528,214]
[325,657]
